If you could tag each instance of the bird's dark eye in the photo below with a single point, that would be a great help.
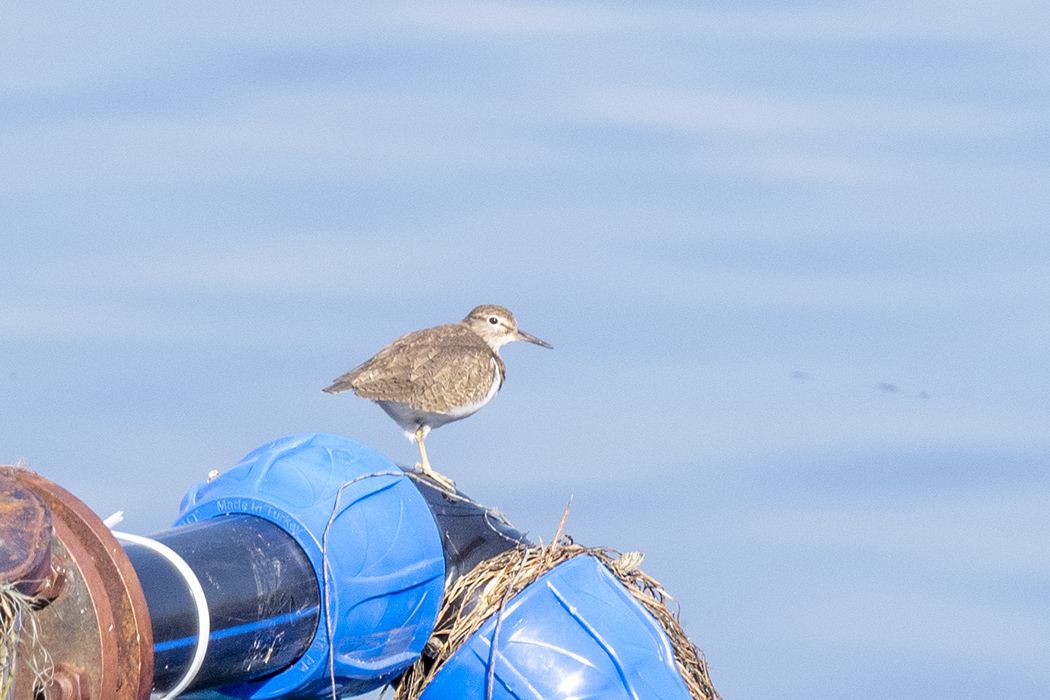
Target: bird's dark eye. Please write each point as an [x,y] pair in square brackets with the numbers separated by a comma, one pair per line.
[493,320]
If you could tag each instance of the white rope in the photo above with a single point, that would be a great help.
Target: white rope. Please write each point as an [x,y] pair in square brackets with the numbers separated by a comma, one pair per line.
[203,616]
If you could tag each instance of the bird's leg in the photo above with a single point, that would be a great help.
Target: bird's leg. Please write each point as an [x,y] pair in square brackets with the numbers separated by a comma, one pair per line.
[424,465]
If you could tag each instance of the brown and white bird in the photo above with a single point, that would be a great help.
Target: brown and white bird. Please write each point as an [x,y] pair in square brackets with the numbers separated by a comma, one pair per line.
[431,377]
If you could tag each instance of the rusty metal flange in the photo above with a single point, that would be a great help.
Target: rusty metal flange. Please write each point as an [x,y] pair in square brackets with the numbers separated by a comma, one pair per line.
[97,629]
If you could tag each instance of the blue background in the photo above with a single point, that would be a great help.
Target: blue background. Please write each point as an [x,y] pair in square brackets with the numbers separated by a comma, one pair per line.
[793,258]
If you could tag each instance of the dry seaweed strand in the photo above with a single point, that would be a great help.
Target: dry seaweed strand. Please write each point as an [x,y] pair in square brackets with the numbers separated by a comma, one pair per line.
[487,588]
[18,621]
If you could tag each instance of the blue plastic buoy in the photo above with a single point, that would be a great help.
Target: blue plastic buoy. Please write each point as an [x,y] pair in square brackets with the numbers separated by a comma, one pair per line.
[385,561]
[575,632]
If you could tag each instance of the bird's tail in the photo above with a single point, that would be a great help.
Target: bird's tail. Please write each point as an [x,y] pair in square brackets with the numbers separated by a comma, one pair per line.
[339,385]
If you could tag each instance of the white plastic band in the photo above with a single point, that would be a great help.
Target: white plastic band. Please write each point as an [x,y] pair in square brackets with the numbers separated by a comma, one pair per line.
[203,616]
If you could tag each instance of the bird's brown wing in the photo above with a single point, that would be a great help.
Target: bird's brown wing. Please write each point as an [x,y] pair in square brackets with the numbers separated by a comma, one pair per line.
[384,373]
[432,370]
[454,375]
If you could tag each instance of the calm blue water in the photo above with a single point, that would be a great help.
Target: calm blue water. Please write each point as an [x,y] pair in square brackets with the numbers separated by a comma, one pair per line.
[792,259]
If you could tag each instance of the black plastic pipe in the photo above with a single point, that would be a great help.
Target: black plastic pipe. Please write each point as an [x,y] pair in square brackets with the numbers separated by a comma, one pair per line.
[263,599]
[470,533]
[263,596]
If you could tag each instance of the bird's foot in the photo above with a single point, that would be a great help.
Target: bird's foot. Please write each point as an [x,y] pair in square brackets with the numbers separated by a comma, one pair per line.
[440,479]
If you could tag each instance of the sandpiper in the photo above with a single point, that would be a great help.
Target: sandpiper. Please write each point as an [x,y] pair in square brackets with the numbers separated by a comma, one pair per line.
[431,377]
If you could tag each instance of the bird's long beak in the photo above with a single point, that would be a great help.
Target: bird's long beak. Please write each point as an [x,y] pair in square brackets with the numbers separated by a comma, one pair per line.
[522,335]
